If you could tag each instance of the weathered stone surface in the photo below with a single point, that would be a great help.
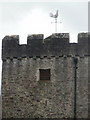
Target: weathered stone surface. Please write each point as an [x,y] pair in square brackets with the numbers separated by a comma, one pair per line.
[25,96]
[56,44]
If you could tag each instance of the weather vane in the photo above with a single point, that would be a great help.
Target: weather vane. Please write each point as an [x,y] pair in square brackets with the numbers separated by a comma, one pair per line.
[55,16]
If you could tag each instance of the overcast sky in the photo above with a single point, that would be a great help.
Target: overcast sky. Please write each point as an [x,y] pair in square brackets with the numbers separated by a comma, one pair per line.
[23,18]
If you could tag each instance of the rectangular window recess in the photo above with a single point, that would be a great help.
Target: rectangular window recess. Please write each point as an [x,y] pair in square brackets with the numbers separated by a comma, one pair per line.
[44,74]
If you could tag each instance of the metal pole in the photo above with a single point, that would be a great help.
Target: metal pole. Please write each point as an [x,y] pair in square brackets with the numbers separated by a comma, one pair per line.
[55,25]
[75,87]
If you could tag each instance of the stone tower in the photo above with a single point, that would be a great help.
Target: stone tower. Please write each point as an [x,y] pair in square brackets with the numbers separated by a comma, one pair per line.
[45,78]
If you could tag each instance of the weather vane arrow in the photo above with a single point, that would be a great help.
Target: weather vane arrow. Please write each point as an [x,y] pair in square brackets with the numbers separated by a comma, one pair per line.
[55,16]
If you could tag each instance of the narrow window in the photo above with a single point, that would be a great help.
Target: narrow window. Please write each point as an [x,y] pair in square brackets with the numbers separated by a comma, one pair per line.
[44,74]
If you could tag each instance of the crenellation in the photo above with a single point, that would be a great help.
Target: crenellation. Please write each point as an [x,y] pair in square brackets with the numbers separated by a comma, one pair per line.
[10,41]
[83,43]
[56,44]
[60,35]
[81,35]
[35,39]
[35,36]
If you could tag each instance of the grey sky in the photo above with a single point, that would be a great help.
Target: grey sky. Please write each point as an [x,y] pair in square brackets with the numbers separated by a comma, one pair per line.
[74,17]
[17,18]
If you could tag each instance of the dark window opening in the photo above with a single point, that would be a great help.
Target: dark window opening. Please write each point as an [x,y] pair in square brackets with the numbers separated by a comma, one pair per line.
[44,74]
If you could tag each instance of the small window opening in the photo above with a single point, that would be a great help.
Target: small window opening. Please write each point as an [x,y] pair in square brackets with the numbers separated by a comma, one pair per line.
[44,74]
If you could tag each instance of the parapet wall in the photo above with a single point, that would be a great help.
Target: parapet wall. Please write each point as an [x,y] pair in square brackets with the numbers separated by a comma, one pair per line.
[55,45]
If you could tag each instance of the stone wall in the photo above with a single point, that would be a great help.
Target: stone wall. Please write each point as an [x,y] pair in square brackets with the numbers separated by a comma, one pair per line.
[24,95]
[82,87]
[54,45]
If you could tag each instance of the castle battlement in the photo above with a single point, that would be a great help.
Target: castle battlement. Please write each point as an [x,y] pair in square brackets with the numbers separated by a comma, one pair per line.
[46,78]
[55,45]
